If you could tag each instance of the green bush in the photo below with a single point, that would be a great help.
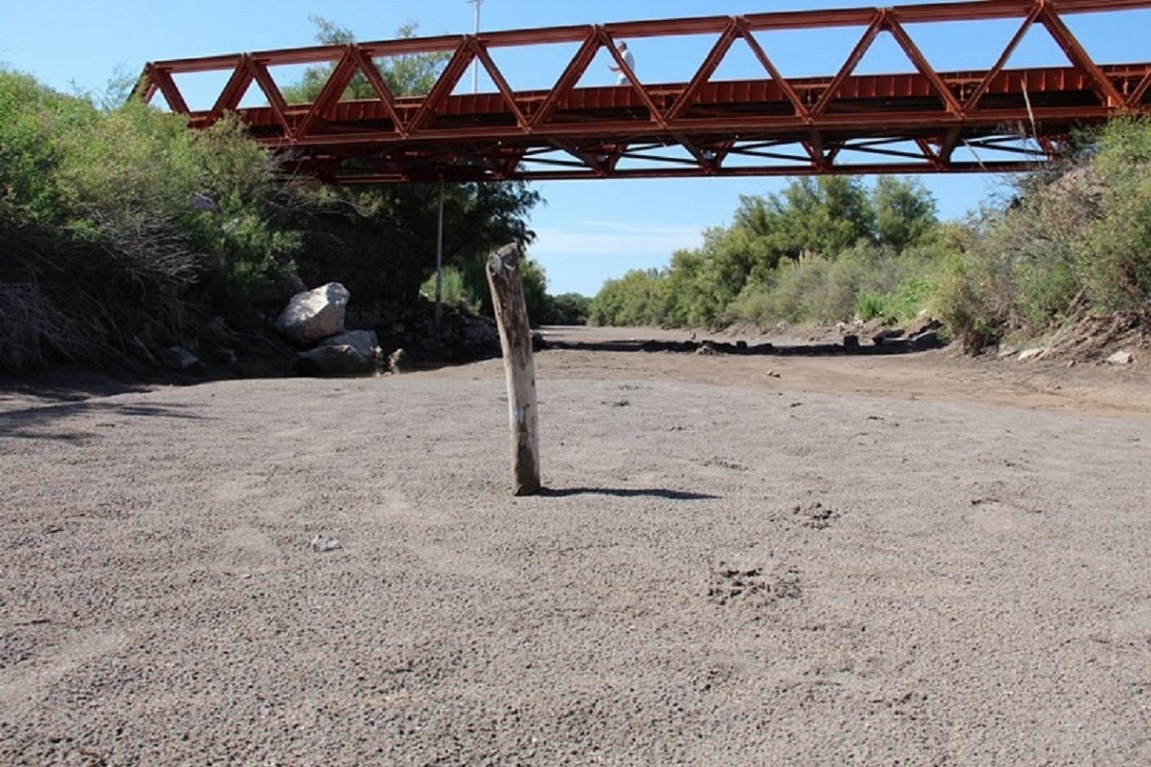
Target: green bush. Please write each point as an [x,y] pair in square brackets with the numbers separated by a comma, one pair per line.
[456,288]
[806,255]
[637,299]
[1113,254]
[1076,239]
[793,296]
[452,289]
[866,282]
[569,309]
[34,120]
[968,300]
[106,250]
[902,304]
[871,306]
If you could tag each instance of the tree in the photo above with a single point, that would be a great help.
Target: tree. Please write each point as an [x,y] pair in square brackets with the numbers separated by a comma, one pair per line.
[747,267]
[823,216]
[478,218]
[635,299]
[406,75]
[904,212]
[105,249]
[569,309]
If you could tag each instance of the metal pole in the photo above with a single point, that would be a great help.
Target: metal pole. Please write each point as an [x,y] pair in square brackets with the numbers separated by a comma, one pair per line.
[439,267]
[476,31]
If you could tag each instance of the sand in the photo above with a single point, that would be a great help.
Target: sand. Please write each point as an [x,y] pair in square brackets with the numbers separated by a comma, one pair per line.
[913,560]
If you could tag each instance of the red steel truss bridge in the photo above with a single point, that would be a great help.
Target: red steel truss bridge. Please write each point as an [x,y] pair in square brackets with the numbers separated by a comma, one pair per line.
[921,120]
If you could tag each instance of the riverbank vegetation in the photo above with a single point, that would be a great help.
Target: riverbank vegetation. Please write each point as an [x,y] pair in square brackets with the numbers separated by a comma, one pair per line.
[122,232]
[1075,241]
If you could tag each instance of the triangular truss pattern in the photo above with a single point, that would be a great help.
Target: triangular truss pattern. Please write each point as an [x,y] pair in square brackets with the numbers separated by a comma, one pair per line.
[924,119]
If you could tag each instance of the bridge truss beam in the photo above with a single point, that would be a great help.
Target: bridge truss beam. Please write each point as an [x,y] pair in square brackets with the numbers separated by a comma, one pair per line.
[767,125]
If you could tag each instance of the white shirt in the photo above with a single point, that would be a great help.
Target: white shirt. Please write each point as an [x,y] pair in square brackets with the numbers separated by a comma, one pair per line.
[630,61]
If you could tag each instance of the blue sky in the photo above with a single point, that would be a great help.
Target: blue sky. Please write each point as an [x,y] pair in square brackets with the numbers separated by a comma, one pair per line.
[588,231]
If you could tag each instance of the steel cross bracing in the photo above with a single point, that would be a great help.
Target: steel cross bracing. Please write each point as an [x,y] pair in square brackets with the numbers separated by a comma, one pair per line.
[769,125]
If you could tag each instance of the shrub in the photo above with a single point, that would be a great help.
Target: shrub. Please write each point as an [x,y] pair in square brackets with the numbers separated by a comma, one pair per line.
[967,301]
[636,299]
[870,306]
[569,309]
[452,289]
[33,121]
[1075,239]
[105,249]
[1113,253]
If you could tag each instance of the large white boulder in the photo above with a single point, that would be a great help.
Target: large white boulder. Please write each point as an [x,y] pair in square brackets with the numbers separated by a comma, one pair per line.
[314,314]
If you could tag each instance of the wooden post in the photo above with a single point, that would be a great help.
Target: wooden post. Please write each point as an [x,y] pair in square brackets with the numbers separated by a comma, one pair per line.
[511,311]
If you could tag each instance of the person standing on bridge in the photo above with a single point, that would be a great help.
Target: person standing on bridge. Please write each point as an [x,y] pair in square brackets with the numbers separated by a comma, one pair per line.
[629,59]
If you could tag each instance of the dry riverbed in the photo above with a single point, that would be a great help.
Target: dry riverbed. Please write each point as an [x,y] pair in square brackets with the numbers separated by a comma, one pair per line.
[824,560]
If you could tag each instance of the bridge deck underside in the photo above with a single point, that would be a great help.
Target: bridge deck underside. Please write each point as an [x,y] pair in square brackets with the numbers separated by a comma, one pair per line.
[480,137]
[1003,118]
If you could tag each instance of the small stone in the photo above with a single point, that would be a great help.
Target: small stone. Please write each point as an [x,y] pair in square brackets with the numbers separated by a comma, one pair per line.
[322,544]
[1122,357]
[181,360]
[398,361]
[1028,354]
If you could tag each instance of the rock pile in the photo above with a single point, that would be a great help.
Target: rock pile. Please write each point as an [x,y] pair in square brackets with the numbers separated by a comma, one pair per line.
[313,321]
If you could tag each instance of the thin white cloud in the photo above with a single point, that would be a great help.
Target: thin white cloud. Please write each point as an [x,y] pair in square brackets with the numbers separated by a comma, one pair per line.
[631,227]
[610,239]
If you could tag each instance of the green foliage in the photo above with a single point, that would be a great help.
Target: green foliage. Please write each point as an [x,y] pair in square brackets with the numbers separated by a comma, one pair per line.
[478,218]
[701,283]
[806,255]
[900,305]
[796,285]
[455,290]
[100,167]
[1078,240]
[904,212]
[452,289]
[824,215]
[543,309]
[569,309]
[635,299]
[33,121]
[1113,256]
[536,297]
[105,250]
[865,282]
[251,254]
[869,306]
[965,301]
[406,75]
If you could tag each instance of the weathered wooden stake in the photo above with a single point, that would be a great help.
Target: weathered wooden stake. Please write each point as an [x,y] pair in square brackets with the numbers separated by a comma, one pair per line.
[511,310]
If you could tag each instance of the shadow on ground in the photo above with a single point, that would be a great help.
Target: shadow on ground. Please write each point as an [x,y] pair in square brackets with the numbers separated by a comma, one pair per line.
[850,346]
[616,492]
